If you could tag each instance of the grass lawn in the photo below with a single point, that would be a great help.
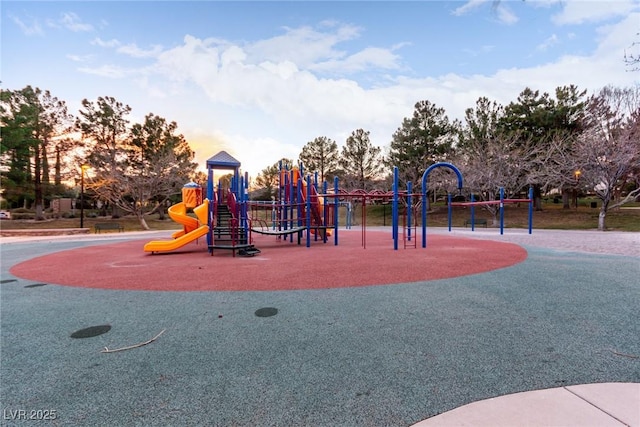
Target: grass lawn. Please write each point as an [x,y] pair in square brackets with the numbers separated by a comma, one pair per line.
[129,223]
[552,216]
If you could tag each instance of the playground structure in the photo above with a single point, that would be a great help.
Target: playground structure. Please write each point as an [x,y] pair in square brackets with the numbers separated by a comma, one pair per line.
[302,208]
[297,208]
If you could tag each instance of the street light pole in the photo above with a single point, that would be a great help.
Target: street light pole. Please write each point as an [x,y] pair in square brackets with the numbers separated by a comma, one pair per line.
[576,174]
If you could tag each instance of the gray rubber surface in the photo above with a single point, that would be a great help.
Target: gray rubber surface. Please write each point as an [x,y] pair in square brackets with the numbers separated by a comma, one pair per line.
[383,355]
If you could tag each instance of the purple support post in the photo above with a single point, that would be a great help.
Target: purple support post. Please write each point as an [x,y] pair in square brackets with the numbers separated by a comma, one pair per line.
[325,211]
[409,218]
[308,213]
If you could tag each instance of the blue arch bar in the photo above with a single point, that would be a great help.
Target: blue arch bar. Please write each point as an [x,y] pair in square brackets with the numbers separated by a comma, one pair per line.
[425,175]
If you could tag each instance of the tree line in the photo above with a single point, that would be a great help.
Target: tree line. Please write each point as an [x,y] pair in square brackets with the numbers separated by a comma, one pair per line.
[569,141]
[135,167]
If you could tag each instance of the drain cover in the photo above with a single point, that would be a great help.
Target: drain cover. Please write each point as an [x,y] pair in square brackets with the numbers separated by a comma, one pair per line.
[266,312]
[91,331]
[37,285]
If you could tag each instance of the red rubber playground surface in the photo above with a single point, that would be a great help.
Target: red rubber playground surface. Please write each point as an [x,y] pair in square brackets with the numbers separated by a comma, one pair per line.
[282,265]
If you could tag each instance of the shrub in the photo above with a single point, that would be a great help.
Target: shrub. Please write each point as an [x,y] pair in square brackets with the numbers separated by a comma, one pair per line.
[23,215]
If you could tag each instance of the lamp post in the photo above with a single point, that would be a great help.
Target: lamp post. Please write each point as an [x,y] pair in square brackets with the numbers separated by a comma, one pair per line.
[576,174]
[83,168]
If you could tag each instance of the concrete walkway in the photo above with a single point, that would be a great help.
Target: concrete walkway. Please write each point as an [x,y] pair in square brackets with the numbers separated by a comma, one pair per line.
[597,405]
[587,241]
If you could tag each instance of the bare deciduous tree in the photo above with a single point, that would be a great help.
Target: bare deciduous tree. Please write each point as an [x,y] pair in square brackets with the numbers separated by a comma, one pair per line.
[150,163]
[632,57]
[500,161]
[608,150]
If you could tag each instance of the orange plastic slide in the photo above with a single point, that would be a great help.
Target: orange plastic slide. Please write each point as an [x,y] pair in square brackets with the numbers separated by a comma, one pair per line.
[193,228]
[178,213]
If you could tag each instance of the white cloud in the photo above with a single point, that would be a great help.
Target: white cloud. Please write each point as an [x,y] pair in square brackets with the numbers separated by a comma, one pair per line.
[367,58]
[305,46]
[506,15]
[72,22]
[79,58]
[105,43]
[265,104]
[614,39]
[31,29]
[582,11]
[69,21]
[469,6]
[131,49]
[152,90]
[549,42]
[503,12]
[134,51]
[195,60]
[479,51]
[284,70]
[109,71]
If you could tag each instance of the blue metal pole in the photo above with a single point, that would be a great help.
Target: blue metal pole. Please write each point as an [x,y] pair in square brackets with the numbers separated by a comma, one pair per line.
[424,193]
[424,212]
[234,180]
[394,209]
[501,210]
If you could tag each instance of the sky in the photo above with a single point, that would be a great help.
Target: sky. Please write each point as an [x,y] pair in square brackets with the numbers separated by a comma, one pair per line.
[261,79]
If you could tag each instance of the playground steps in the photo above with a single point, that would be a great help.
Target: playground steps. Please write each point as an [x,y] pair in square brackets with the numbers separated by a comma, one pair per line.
[228,237]
[249,251]
[224,232]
